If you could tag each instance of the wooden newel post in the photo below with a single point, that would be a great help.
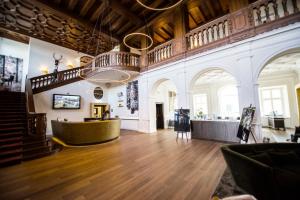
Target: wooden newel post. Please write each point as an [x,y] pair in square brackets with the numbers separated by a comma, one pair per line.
[179,45]
[144,57]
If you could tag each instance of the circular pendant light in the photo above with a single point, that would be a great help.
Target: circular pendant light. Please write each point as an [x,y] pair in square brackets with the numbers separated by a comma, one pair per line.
[159,9]
[104,75]
[137,34]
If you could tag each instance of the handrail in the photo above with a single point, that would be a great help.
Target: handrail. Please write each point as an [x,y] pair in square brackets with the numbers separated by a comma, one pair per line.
[36,122]
[256,15]
[208,33]
[117,59]
[161,52]
[29,96]
[52,80]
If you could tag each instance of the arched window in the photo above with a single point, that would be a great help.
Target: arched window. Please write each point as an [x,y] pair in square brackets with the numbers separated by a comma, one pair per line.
[229,101]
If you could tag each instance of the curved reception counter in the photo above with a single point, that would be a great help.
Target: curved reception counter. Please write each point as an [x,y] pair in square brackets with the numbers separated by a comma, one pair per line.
[83,133]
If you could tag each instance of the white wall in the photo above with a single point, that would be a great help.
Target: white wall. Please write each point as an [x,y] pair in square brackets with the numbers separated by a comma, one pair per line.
[41,55]
[128,121]
[43,102]
[16,49]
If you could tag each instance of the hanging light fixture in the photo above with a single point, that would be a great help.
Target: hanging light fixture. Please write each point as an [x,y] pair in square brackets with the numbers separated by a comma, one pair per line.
[159,9]
[137,34]
[105,74]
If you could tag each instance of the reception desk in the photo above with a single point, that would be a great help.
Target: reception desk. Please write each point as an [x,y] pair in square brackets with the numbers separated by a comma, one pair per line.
[219,130]
[83,133]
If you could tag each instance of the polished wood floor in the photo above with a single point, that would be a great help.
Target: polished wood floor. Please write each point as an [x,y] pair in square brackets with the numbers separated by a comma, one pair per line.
[136,166]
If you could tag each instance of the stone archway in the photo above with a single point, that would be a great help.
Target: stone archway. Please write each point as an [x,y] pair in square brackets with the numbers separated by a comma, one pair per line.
[211,94]
[159,94]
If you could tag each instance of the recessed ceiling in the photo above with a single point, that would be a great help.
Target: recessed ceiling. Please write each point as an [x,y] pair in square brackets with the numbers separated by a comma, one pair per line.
[288,63]
[214,77]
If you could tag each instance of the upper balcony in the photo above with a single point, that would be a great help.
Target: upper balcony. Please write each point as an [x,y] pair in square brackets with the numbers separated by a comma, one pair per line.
[261,16]
[256,18]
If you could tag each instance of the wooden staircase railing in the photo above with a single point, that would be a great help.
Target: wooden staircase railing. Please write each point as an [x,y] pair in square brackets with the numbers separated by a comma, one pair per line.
[36,122]
[50,81]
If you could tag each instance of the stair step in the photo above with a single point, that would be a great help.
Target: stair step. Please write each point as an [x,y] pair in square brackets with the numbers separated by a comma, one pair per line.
[11,145]
[12,112]
[10,161]
[33,139]
[12,109]
[10,139]
[35,150]
[10,125]
[39,155]
[9,117]
[10,152]
[5,121]
[11,134]
[11,129]
[34,144]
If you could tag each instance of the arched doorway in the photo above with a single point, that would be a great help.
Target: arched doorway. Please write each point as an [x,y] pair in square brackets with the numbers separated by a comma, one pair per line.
[164,96]
[214,95]
[278,95]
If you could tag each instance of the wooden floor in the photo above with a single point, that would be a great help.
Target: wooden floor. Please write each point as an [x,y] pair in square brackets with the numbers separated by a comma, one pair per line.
[136,166]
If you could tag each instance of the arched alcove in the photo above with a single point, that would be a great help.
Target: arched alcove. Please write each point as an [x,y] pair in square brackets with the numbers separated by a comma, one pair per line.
[214,94]
[277,82]
[163,103]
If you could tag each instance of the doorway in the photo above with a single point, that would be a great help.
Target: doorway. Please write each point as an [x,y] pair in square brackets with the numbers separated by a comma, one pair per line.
[160,116]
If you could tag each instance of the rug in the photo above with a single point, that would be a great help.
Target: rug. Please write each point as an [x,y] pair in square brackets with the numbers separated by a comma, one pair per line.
[227,186]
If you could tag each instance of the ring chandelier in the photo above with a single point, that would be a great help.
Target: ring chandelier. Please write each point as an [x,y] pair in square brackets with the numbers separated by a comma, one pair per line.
[141,34]
[102,80]
[159,9]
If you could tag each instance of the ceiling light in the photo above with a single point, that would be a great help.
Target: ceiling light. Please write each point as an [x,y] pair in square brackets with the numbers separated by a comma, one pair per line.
[141,34]
[159,9]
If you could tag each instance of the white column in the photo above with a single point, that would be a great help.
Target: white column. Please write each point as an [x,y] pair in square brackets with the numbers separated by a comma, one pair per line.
[182,93]
[147,119]
[248,91]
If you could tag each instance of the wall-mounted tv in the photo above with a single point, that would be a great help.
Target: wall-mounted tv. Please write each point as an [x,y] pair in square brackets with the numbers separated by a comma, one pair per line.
[63,101]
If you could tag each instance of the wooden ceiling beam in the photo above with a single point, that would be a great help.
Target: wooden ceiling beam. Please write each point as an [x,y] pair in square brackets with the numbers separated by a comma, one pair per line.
[86,6]
[165,31]
[72,4]
[98,12]
[193,19]
[120,9]
[210,8]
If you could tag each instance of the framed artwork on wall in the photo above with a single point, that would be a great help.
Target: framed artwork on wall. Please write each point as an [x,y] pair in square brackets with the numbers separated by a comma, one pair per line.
[11,70]
[132,96]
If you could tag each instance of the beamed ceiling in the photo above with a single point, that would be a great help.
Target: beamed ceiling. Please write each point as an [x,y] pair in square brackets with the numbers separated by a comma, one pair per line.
[73,23]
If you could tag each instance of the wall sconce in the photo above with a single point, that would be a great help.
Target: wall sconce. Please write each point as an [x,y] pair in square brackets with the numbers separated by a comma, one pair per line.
[44,70]
[70,65]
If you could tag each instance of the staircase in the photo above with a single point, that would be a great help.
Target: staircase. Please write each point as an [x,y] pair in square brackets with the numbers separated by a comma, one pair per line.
[16,145]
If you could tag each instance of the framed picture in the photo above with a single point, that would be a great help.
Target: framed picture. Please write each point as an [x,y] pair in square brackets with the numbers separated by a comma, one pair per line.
[182,120]
[132,96]
[11,70]
[245,123]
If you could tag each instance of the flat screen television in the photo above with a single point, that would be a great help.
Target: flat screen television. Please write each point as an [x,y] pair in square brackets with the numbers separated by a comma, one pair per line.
[63,101]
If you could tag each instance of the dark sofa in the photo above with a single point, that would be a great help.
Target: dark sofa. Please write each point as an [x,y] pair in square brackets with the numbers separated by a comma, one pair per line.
[267,171]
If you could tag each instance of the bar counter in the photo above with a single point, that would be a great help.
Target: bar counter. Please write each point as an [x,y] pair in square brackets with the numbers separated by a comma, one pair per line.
[219,130]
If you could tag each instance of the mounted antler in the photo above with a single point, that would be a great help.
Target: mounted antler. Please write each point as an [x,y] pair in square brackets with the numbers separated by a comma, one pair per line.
[56,61]
[56,58]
